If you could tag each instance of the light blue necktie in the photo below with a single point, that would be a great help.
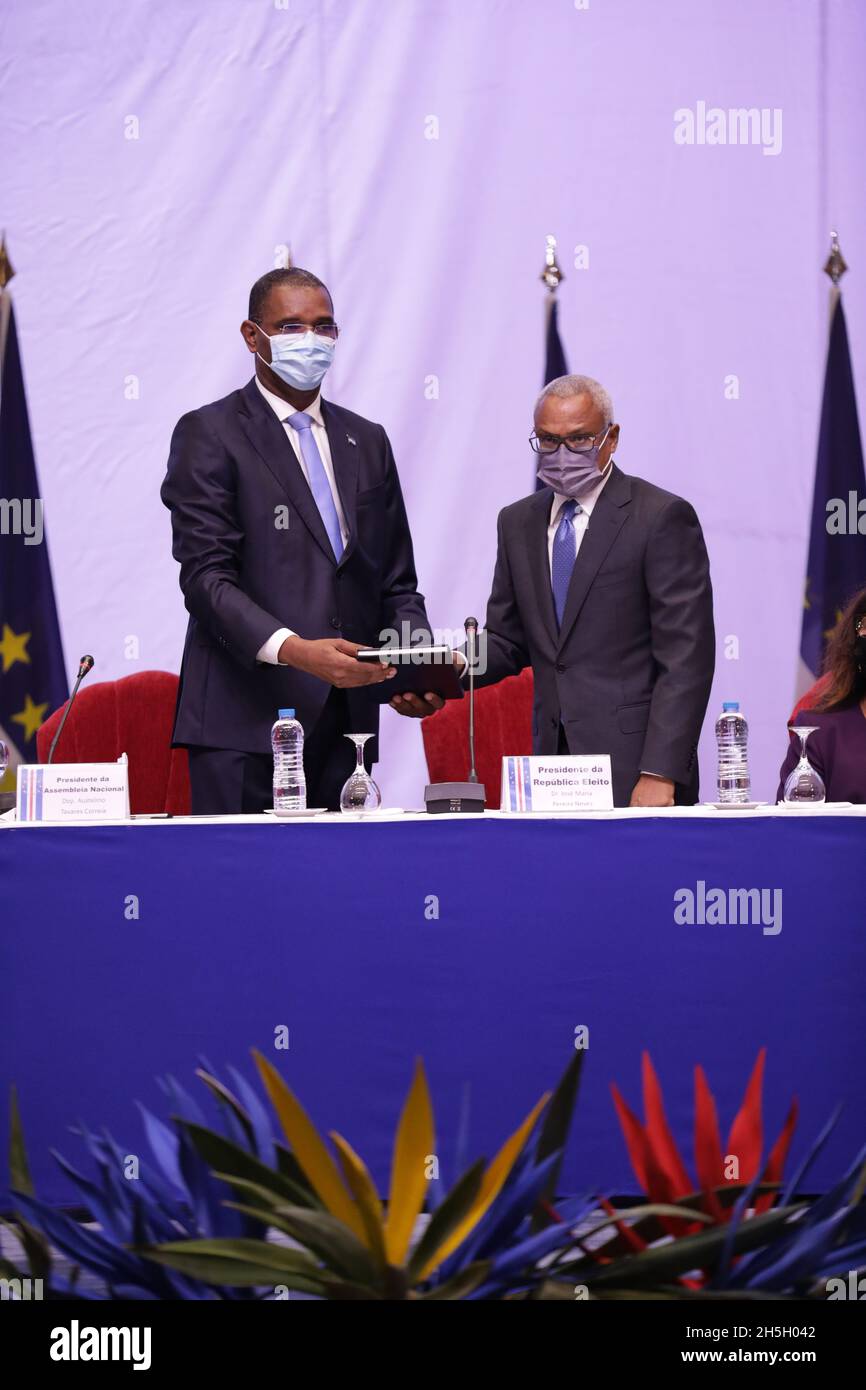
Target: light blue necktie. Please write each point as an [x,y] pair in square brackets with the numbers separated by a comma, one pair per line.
[564,554]
[319,485]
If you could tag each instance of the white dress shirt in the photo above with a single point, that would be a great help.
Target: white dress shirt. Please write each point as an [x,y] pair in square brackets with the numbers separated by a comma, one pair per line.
[270,650]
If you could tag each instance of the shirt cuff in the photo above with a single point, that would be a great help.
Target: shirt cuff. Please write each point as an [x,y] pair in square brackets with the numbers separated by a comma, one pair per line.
[662,775]
[269,652]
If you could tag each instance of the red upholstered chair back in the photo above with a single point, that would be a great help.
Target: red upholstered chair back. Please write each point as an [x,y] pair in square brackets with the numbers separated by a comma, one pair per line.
[807,701]
[135,716]
[503,726]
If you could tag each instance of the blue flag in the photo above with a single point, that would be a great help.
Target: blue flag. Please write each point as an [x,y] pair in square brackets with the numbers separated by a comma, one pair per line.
[32,672]
[554,357]
[836,566]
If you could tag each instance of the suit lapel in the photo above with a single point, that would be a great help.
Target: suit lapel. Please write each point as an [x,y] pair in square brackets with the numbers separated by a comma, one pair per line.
[608,517]
[268,437]
[345,456]
[539,562]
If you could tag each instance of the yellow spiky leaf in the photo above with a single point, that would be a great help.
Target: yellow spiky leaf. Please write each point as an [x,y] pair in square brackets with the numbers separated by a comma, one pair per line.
[491,1185]
[309,1149]
[363,1189]
[413,1146]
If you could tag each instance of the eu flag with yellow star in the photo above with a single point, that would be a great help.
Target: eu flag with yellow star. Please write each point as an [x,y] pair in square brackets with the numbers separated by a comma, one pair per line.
[836,567]
[32,671]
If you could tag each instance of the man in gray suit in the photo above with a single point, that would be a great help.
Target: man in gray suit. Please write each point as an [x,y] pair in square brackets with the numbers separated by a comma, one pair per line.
[602,585]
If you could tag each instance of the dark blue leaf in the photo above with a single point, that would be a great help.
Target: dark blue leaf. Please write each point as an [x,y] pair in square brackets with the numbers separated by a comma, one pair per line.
[259,1117]
[182,1103]
[87,1248]
[527,1253]
[799,1174]
[114,1220]
[164,1145]
[742,1204]
[514,1204]
[800,1258]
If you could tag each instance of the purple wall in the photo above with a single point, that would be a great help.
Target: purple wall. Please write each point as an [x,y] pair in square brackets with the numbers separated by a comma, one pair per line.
[260,124]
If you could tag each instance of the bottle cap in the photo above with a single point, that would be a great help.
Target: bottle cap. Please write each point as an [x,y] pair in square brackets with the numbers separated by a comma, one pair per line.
[286,714]
[730,704]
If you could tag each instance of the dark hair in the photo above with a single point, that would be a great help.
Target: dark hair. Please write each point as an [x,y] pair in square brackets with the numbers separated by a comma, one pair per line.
[846,672]
[293,275]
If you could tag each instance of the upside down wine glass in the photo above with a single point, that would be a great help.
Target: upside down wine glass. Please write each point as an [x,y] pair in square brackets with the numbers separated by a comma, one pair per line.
[803,785]
[360,792]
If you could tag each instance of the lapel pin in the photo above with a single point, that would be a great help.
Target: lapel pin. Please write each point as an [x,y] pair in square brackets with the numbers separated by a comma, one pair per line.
[352,440]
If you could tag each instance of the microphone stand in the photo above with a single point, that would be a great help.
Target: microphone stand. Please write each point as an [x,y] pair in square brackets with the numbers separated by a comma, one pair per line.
[461,798]
[471,629]
[85,664]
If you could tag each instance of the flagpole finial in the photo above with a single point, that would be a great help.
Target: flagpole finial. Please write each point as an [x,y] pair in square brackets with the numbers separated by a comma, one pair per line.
[551,274]
[6,269]
[836,264]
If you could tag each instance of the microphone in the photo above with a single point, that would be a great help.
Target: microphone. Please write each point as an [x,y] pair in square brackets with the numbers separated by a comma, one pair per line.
[470,627]
[469,796]
[85,664]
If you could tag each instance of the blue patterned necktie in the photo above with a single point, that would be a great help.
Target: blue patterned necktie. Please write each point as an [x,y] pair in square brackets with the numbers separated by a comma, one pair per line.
[564,554]
[318,478]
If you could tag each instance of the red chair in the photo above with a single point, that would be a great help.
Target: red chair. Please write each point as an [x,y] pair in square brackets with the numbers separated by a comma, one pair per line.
[503,726]
[807,701]
[135,716]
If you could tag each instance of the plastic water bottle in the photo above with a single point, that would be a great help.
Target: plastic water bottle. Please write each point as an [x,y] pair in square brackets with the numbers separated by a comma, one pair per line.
[732,737]
[290,784]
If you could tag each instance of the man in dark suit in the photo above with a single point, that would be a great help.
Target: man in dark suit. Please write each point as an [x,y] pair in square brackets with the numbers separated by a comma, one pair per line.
[294,551]
[602,584]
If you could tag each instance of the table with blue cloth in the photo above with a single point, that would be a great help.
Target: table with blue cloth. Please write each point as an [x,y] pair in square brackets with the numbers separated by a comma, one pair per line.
[488,945]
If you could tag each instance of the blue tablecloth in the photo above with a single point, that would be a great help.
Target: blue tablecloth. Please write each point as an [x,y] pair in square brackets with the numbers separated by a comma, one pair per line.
[543,926]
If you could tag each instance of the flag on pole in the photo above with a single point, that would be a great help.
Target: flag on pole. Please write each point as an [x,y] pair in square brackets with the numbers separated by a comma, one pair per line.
[32,671]
[836,566]
[554,355]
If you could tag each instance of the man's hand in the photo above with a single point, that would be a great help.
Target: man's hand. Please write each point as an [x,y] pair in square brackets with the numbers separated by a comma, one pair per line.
[652,791]
[418,706]
[332,659]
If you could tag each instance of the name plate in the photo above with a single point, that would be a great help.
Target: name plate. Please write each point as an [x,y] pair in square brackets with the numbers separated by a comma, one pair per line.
[73,791]
[573,782]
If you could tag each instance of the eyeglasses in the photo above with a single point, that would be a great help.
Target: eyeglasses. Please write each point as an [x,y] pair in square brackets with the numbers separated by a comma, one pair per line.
[860,626]
[296,330]
[574,443]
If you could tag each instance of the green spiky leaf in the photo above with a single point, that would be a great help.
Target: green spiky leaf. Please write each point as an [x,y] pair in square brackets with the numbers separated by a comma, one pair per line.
[447,1216]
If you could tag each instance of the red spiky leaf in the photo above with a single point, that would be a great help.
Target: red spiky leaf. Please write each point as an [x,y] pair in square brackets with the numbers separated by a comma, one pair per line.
[658,1131]
[655,1182]
[746,1138]
[709,1160]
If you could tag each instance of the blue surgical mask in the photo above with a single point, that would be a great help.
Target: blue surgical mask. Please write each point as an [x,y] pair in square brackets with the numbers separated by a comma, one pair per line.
[300,359]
